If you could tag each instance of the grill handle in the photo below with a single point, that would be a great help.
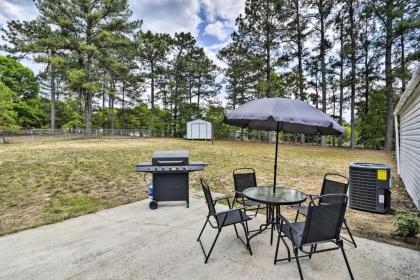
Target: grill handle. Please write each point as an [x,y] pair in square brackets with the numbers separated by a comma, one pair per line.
[170,162]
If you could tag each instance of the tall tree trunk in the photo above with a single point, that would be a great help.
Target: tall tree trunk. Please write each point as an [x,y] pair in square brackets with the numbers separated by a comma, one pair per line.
[111,108]
[323,68]
[53,96]
[88,111]
[300,59]
[235,93]
[388,76]
[199,95]
[340,120]
[366,47]
[299,52]
[334,100]
[190,91]
[316,87]
[152,89]
[353,76]
[103,100]
[123,106]
[268,52]
[403,81]
[88,94]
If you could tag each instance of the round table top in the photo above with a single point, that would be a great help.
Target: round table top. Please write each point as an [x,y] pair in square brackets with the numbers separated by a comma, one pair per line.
[283,195]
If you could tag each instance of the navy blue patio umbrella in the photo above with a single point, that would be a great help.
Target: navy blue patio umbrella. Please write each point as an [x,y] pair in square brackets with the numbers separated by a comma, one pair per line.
[282,114]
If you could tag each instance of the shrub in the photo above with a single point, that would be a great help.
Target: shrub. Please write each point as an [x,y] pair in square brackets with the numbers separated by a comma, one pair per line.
[408,224]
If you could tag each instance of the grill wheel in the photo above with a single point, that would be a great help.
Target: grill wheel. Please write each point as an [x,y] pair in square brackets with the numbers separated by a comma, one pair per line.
[153,204]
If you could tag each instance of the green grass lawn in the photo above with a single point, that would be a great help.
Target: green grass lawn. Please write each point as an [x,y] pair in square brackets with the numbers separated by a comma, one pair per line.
[44,183]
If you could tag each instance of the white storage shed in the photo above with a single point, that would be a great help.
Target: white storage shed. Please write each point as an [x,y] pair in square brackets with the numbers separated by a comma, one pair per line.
[199,129]
[407,136]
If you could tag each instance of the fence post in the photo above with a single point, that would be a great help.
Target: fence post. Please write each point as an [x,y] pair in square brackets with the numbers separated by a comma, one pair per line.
[3,137]
[65,135]
[96,133]
[32,135]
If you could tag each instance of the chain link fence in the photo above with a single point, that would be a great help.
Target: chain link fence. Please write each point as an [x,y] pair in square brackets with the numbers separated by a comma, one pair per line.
[45,135]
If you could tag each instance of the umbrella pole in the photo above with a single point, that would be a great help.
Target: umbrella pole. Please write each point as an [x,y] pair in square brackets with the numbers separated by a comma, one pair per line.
[275,159]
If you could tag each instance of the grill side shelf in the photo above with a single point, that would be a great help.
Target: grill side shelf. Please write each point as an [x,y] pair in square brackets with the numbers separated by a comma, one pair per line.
[169,168]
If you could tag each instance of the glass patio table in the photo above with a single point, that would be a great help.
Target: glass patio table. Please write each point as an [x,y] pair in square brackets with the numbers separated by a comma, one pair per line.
[265,195]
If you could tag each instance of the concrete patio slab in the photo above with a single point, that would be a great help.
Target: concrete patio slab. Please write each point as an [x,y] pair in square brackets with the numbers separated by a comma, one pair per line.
[133,242]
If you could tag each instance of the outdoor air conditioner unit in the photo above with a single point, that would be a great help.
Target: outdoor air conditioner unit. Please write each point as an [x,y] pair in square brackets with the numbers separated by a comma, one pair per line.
[370,187]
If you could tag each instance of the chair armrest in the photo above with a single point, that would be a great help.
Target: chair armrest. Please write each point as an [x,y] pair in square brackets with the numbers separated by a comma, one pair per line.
[227,196]
[230,210]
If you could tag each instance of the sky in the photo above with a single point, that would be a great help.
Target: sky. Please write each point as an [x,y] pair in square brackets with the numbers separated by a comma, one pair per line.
[210,21]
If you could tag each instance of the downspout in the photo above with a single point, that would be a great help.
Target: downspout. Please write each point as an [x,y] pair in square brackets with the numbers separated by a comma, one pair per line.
[397,143]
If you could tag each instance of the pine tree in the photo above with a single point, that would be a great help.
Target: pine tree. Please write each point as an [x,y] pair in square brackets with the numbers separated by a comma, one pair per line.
[152,53]
[204,73]
[181,47]
[352,31]
[84,29]
[295,34]
[260,29]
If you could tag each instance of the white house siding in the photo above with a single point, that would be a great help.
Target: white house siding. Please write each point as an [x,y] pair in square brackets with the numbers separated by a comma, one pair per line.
[410,144]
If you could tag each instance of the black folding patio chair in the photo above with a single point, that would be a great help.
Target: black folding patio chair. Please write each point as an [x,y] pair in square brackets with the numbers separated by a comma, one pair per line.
[330,186]
[322,225]
[223,219]
[244,178]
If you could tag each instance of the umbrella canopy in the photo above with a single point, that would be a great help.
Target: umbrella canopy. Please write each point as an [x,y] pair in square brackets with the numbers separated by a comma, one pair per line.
[282,114]
[292,116]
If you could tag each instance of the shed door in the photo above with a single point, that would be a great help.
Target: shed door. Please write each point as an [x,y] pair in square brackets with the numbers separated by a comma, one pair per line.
[203,130]
[195,130]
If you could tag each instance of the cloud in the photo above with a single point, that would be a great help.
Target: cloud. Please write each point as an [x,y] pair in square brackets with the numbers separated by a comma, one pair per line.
[17,9]
[218,30]
[168,16]
[228,10]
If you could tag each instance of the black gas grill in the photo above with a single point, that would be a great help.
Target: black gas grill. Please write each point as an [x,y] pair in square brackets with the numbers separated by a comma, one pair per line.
[170,171]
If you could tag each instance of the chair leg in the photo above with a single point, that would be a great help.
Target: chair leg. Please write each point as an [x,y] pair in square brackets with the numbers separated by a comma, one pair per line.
[288,250]
[295,251]
[297,215]
[277,249]
[258,208]
[272,225]
[248,244]
[204,226]
[350,234]
[312,250]
[345,258]
[228,202]
[236,230]
[212,246]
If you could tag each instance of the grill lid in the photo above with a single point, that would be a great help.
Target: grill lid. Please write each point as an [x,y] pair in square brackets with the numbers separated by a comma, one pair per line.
[170,158]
